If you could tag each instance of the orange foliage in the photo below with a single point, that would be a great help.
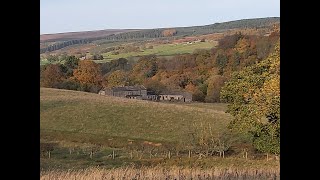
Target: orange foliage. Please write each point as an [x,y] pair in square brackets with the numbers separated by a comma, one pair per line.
[88,72]
[169,32]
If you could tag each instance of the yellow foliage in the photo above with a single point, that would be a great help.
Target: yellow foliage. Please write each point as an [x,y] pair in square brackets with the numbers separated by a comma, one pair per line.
[88,72]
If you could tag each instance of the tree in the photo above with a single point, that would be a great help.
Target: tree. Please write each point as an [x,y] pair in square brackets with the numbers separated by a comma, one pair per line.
[153,70]
[169,32]
[197,94]
[116,78]
[51,76]
[88,73]
[221,61]
[229,41]
[97,57]
[215,83]
[53,58]
[70,84]
[155,86]
[70,63]
[254,97]
[145,67]
[242,45]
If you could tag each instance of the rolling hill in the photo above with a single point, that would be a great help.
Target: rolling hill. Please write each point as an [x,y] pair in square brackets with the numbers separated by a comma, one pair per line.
[73,114]
[105,36]
[80,35]
[79,122]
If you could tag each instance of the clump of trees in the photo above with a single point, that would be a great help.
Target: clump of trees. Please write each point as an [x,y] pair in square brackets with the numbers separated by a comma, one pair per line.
[97,57]
[73,74]
[169,32]
[254,97]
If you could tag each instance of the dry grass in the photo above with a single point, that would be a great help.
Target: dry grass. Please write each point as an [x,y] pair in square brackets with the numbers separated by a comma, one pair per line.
[159,173]
[87,113]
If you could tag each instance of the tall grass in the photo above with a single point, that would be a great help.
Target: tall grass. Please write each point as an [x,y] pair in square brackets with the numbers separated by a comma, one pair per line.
[160,173]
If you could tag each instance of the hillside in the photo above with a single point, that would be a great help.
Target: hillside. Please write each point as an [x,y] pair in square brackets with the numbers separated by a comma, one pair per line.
[80,35]
[82,130]
[79,113]
[159,33]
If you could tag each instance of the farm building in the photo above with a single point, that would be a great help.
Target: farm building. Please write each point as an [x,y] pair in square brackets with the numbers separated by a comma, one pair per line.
[176,96]
[152,96]
[131,92]
[140,92]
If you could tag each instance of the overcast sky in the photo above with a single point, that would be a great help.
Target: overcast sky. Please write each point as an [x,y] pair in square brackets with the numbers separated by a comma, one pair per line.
[84,15]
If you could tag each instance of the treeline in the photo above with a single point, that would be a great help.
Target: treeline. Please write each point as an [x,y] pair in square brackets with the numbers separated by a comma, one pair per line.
[179,31]
[60,45]
[203,73]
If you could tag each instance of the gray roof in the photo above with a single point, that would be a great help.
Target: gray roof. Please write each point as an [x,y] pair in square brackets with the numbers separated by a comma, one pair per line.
[183,93]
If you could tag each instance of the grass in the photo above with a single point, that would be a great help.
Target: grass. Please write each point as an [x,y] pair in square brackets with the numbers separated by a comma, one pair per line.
[162,50]
[78,122]
[86,113]
[171,173]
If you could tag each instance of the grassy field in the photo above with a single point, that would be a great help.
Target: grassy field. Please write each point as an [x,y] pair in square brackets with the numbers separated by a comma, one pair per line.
[163,50]
[87,113]
[87,129]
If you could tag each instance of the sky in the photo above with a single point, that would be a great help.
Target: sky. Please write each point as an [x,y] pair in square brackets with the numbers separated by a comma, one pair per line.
[57,16]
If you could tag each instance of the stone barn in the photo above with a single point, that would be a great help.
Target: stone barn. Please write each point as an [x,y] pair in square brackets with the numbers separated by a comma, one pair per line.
[176,96]
[140,92]
[131,92]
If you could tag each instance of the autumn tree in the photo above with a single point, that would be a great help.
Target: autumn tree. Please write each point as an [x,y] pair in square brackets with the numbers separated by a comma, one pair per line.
[254,97]
[146,67]
[197,94]
[242,45]
[51,75]
[88,73]
[215,84]
[116,78]
[169,32]
[229,41]
[156,86]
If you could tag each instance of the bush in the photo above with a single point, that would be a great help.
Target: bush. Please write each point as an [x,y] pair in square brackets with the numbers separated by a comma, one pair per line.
[70,85]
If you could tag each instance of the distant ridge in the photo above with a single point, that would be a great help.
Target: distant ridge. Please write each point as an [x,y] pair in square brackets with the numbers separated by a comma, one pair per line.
[67,39]
[81,35]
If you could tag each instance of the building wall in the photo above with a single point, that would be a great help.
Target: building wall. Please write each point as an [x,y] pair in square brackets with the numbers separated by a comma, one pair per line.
[170,97]
[151,97]
[102,92]
[142,94]
[183,98]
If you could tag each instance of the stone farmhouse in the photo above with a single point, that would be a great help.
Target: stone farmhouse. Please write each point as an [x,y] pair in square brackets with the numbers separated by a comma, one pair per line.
[176,96]
[140,92]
